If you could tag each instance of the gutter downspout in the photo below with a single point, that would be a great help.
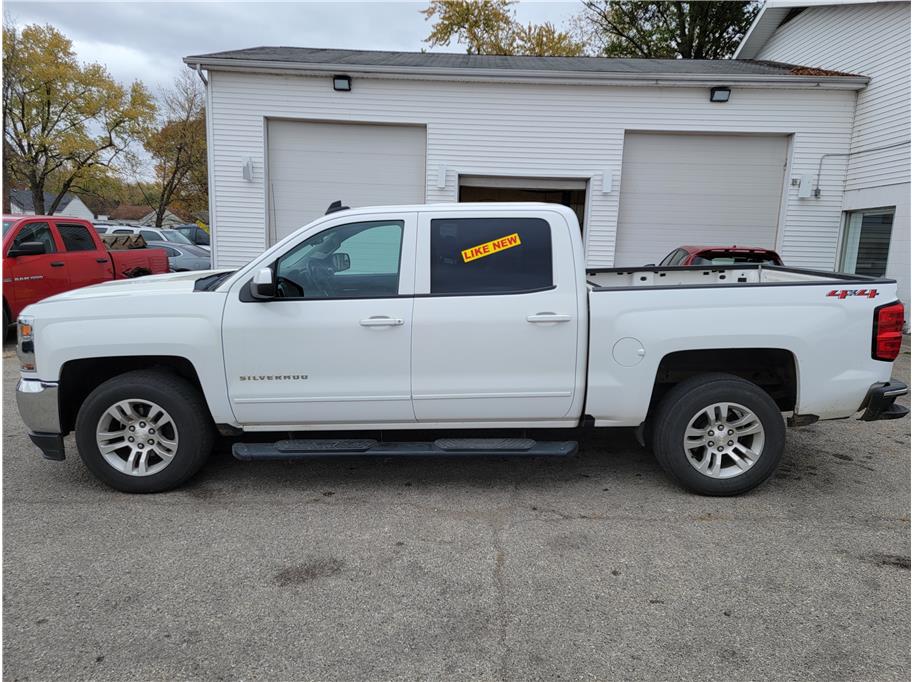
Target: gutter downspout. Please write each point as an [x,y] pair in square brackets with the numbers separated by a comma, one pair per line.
[213,244]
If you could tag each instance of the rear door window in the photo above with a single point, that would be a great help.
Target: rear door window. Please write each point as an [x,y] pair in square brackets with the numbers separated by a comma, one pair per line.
[76,237]
[473,256]
[150,236]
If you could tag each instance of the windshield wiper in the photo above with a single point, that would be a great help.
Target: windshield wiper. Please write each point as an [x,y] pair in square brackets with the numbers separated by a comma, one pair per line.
[211,282]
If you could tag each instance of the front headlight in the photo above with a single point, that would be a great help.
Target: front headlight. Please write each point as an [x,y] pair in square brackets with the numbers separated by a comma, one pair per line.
[25,342]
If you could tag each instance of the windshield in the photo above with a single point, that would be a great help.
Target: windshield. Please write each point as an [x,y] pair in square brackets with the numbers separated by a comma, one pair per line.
[175,236]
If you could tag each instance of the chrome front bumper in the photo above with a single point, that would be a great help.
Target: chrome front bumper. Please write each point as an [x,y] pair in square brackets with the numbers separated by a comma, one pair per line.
[38,407]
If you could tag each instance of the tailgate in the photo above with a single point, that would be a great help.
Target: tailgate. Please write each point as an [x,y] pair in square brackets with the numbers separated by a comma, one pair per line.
[138,262]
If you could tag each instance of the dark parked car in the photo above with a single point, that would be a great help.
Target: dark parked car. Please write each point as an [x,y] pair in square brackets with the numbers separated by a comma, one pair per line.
[195,234]
[182,257]
[721,255]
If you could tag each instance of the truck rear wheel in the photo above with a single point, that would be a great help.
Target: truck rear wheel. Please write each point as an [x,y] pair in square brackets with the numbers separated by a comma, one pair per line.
[717,434]
[144,432]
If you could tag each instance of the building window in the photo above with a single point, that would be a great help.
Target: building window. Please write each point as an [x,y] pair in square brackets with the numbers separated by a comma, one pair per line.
[866,242]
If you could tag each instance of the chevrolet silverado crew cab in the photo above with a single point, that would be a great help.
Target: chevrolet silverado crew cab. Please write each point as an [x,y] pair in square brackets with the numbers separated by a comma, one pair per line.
[45,255]
[456,321]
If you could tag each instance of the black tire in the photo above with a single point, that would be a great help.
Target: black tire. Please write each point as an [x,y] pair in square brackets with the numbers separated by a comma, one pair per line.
[179,398]
[684,401]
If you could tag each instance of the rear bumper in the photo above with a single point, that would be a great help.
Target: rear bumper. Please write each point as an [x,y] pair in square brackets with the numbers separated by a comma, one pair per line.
[880,402]
[39,409]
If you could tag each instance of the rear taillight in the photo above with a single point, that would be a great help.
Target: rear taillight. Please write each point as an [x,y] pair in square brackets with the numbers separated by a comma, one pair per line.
[888,324]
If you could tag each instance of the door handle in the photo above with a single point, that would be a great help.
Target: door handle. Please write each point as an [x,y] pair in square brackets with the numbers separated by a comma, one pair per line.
[101,260]
[539,318]
[382,321]
[57,264]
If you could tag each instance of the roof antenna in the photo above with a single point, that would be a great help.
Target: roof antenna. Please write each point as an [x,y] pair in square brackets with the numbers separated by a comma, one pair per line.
[336,206]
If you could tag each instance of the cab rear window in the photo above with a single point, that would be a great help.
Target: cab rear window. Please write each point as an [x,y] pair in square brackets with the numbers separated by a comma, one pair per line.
[490,255]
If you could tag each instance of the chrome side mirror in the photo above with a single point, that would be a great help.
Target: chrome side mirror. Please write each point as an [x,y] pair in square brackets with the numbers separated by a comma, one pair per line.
[263,287]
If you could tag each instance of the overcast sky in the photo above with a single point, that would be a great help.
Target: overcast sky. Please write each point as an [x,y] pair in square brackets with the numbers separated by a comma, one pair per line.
[147,40]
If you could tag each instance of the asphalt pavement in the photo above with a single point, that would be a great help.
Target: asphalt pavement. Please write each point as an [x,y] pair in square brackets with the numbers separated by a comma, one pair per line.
[593,567]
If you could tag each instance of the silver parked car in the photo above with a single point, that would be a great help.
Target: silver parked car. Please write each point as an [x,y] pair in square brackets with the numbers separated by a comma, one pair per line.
[182,257]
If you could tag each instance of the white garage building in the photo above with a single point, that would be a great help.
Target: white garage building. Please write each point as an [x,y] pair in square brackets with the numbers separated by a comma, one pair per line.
[636,147]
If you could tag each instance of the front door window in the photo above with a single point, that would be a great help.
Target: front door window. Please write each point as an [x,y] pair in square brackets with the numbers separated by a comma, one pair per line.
[356,260]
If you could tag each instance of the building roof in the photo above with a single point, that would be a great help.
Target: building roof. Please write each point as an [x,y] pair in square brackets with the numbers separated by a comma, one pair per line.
[23,199]
[128,212]
[564,69]
[772,15]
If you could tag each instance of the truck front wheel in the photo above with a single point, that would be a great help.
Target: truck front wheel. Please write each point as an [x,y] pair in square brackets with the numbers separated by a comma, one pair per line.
[717,434]
[144,432]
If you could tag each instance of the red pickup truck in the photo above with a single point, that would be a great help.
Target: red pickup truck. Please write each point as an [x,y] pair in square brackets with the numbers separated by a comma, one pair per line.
[45,255]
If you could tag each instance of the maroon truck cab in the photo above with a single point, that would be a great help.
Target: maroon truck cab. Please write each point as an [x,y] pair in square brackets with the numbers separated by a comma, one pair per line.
[47,255]
[720,255]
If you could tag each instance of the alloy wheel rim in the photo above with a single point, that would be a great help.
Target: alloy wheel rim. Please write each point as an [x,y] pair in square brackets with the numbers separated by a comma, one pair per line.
[137,437]
[724,440]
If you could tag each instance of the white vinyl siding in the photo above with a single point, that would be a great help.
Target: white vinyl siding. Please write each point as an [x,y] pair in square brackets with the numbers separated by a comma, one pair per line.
[312,164]
[870,40]
[698,189]
[524,130]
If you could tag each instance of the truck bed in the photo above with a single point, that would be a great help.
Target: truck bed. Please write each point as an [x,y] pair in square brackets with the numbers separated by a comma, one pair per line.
[640,318]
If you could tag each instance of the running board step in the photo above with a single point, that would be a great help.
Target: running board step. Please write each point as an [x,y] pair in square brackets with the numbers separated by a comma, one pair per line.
[359,447]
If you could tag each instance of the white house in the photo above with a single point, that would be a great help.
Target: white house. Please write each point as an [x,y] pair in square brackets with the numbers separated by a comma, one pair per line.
[651,154]
[71,205]
[871,38]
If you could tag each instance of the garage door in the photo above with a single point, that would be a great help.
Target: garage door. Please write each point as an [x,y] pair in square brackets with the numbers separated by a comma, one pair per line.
[681,189]
[313,164]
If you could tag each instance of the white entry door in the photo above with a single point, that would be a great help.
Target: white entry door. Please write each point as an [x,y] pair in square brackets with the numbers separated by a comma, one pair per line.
[333,347]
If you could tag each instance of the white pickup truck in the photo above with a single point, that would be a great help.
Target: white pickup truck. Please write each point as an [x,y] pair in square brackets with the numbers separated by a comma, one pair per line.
[415,322]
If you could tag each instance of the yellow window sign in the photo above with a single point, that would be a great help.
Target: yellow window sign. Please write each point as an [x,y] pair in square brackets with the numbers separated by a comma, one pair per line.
[493,246]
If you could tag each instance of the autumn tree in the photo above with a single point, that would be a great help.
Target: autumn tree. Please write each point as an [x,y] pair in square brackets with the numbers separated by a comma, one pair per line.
[669,30]
[177,146]
[62,120]
[490,27]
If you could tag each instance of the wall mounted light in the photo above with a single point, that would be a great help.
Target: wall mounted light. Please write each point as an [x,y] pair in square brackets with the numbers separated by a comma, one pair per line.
[719,94]
[247,170]
[342,83]
[607,185]
[441,177]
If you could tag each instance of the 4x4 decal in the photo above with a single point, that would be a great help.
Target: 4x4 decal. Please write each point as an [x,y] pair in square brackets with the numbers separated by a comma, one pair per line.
[845,293]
